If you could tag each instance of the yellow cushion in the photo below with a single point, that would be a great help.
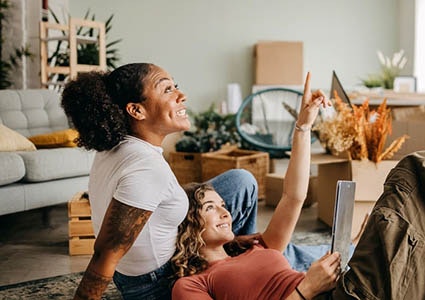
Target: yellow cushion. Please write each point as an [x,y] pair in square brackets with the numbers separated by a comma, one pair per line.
[11,140]
[61,138]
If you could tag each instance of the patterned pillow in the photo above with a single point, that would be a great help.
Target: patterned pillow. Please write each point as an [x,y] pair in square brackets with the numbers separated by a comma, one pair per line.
[11,140]
[56,139]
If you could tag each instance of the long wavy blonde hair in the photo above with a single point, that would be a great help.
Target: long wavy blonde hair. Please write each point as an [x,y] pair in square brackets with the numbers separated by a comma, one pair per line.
[187,259]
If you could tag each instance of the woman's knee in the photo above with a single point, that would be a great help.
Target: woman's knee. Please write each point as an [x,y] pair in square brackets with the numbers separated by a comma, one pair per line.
[241,177]
[234,184]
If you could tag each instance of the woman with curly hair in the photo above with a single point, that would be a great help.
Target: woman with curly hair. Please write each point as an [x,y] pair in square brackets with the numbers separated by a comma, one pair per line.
[208,270]
[136,201]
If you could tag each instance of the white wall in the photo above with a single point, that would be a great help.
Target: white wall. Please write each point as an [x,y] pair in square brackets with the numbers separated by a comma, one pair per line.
[419,68]
[207,44]
[406,32]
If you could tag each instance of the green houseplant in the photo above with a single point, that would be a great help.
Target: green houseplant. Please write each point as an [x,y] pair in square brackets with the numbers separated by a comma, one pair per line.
[212,131]
[390,69]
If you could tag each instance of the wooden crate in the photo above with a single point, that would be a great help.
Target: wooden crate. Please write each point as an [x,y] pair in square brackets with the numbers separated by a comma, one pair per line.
[186,166]
[215,163]
[80,227]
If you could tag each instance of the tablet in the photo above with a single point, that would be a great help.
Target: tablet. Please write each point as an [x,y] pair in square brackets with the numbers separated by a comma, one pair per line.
[337,86]
[343,218]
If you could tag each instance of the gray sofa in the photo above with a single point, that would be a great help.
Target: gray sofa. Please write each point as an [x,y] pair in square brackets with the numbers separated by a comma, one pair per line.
[44,177]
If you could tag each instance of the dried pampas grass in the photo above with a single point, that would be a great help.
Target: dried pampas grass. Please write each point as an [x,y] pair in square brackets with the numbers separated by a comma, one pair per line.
[358,131]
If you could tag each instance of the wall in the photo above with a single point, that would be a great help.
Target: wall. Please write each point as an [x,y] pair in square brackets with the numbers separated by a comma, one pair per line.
[406,32]
[207,44]
[15,37]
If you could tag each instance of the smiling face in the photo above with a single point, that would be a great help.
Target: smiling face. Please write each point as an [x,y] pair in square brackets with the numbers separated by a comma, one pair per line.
[163,112]
[218,222]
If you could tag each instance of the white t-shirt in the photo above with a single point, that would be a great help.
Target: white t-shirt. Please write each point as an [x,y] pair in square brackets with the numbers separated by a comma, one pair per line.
[136,173]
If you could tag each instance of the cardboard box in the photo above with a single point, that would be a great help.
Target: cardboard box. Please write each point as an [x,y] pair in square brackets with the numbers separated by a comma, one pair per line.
[274,190]
[369,178]
[256,162]
[410,121]
[278,62]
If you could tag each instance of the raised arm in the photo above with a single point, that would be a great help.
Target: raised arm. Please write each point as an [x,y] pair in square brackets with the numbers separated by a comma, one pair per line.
[281,226]
[121,226]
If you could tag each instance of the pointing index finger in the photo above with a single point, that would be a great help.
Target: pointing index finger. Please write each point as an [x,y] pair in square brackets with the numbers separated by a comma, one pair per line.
[307,83]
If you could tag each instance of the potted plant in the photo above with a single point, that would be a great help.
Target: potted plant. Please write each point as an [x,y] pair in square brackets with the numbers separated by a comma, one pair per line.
[211,131]
[390,69]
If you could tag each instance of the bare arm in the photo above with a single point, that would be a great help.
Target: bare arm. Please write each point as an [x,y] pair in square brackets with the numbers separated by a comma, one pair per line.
[120,228]
[281,226]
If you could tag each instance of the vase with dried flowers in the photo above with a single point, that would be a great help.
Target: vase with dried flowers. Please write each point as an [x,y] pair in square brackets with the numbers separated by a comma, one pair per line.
[358,131]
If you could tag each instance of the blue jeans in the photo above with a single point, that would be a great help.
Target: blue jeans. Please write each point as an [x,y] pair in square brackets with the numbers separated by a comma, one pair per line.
[151,286]
[239,190]
[301,257]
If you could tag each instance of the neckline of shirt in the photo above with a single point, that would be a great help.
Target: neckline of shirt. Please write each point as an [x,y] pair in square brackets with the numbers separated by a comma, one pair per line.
[156,148]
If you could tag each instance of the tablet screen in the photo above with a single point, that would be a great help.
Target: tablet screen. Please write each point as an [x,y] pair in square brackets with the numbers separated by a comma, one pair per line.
[343,218]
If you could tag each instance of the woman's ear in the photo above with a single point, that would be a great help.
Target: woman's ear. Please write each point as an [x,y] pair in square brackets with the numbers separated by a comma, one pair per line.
[136,110]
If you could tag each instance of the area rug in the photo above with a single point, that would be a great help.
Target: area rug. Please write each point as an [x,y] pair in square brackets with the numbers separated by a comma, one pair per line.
[64,286]
[322,237]
[58,287]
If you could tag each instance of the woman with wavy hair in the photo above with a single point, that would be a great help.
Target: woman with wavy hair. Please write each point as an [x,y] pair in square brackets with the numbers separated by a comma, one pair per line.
[208,269]
[387,263]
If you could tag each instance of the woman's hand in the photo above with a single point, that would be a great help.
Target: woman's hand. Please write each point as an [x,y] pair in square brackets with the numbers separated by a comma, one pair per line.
[310,106]
[321,276]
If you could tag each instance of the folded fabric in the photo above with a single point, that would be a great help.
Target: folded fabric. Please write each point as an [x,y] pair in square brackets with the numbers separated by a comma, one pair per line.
[61,138]
[11,140]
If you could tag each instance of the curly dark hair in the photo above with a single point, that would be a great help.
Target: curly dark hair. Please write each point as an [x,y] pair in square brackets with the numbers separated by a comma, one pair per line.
[96,103]
[187,259]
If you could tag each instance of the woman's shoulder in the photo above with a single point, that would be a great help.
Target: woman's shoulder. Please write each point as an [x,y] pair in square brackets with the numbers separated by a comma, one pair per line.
[193,284]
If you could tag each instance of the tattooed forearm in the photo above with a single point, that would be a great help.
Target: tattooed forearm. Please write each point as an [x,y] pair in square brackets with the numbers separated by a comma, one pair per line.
[92,285]
[121,226]
[124,224]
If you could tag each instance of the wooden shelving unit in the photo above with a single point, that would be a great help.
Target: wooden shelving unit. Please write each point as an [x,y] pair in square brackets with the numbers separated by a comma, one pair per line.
[69,35]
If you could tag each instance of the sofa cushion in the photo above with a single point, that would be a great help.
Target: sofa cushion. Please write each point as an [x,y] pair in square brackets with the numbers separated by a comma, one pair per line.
[50,164]
[56,139]
[11,140]
[12,168]
[32,111]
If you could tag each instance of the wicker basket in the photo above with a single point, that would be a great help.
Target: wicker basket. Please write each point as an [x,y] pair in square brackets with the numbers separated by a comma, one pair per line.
[186,166]
[215,163]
